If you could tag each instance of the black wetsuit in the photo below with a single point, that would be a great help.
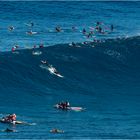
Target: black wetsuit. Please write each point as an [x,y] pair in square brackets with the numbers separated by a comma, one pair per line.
[112,27]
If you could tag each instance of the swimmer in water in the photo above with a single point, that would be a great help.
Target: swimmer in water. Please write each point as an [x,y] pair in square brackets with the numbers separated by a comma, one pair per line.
[74,28]
[58,29]
[44,62]
[84,31]
[41,46]
[11,28]
[111,27]
[56,131]
[73,44]
[90,34]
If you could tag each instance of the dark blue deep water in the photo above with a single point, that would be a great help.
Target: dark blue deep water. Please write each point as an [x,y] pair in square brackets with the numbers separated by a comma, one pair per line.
[104,79]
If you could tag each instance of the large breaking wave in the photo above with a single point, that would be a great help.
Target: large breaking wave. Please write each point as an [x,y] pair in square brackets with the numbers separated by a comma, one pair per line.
[113,63]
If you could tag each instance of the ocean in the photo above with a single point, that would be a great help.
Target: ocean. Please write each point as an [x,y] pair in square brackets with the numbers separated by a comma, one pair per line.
[103,76]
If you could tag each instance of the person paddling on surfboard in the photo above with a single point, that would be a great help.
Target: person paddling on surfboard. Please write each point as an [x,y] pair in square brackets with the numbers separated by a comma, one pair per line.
[64,105]
[10,118]
[56,131]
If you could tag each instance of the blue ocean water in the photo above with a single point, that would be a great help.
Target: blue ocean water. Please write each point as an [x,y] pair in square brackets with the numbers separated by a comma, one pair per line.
[104,79]
[47,15]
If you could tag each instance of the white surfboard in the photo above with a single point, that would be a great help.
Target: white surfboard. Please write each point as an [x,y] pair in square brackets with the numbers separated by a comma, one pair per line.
[31,33]
[71,108]
[52,71]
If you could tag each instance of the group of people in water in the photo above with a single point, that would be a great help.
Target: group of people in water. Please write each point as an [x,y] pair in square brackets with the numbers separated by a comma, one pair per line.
[98,28]
[62,105]
[11,118]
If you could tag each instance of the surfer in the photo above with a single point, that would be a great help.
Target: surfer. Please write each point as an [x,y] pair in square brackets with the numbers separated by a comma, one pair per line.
[51,69]
[10,118]
[73,44]
[54,70]
[84,31]
[111,27]
[74,28]
[11,28]
[32,24]
[100,29]
[90,34]
[15,47]
[98,23]
[64,105]
[58,29]
[41,46]
[56,131]
[85,43]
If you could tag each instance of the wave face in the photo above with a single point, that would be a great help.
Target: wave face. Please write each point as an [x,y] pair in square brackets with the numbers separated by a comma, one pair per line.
[104,79]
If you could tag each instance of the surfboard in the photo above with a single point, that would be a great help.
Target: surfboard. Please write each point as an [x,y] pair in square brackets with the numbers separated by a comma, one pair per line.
[70,108]
[76,108]
[28,24]
[52,71]
[16,122]
[31,33]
